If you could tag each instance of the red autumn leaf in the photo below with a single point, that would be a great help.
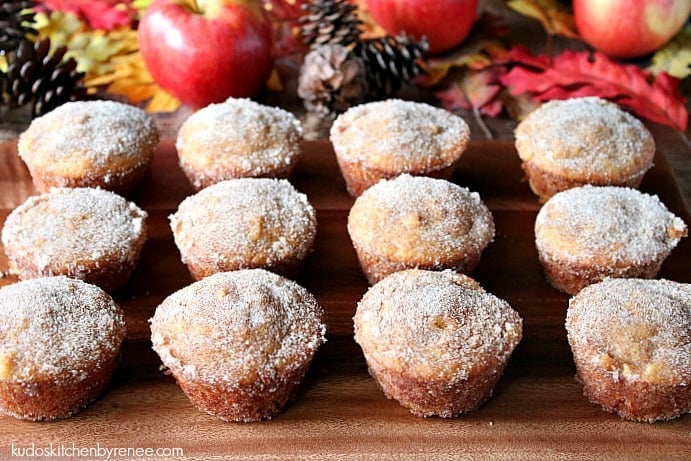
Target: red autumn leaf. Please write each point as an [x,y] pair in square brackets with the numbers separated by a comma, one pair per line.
[574,74]
[99,14]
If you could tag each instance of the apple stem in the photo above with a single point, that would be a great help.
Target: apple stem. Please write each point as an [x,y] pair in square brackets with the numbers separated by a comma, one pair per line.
[193,5]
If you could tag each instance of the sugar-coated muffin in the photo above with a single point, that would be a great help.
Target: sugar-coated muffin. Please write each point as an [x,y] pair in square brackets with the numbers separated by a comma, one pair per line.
[59,343]
[436,342]
[238,138]
[586,234]
[239,343]
[90,234]
[382,139]
[418,222]
[103,144]
[578,141]
[631,342]
[242,224]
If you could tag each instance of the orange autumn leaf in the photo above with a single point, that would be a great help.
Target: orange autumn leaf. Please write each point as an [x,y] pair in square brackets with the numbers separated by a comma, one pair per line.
[553,16]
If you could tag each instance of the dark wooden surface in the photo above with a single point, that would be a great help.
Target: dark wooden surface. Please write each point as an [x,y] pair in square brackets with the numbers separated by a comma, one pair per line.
[537,411]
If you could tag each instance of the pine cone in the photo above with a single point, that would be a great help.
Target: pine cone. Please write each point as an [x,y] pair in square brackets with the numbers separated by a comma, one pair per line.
[390,62]
[35,75]
[16,17]
[330,22]
[331,80]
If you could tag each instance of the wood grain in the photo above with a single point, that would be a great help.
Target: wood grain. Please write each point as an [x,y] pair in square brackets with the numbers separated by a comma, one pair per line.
[537,411]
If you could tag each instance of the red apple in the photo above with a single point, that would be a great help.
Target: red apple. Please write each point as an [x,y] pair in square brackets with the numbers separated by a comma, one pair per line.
[629,28]
[445,23]
[205,51]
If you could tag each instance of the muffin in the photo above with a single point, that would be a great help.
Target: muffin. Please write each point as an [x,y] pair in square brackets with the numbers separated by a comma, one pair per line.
[570,143]
[238,138]
[630,341]
[102,144]
[383,139]
[60,342]
[89,234]
[418,222]
[243,224]
[239,343]
[588,233]
[435,341]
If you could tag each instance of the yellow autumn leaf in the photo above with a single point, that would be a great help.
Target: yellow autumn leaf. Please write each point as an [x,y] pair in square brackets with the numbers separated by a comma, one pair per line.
[554,17]
[675,57]
[131,78]
[475,54]
[369,27]
[57,26]
[93,50]
[141,5]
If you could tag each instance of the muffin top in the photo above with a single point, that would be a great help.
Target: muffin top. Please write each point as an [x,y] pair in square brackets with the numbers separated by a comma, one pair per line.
[238,327]
[618,225]
[636,329]
[400,136]
[440,326]
[74,228]
[56,329]
[89,138]
[420,219]
[247,221]
[589,138]
[239,138]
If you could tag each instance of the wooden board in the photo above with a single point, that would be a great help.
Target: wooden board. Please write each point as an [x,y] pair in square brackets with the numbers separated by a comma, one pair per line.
[537,411]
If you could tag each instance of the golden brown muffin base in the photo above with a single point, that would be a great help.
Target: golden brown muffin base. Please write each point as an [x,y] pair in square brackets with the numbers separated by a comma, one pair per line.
[252,402]
[289,268]
[633,400]
[545,184]
[359,177]
[437,398]
[108,275]
[201,179]
[49,400]
[376,268]
[122,183]
[571,278]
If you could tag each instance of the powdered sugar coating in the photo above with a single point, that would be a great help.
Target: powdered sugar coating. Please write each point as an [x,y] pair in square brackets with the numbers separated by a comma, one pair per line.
[239,327]
[238,138]
[588,138]
[244,223]
[635,329]
[438,326]
[400,136]
[72,231]
[89,138]
[420,220]
[56,329]
[610,226]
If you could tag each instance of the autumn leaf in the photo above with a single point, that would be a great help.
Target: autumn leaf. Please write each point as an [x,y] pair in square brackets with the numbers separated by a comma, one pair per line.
[553,16]
[675,57]
[575,74]
[369,27]
[474,55]
[131,78]
[98,14]
[475,90]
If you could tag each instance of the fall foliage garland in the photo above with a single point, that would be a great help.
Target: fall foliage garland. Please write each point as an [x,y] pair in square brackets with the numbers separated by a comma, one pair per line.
[485,75]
